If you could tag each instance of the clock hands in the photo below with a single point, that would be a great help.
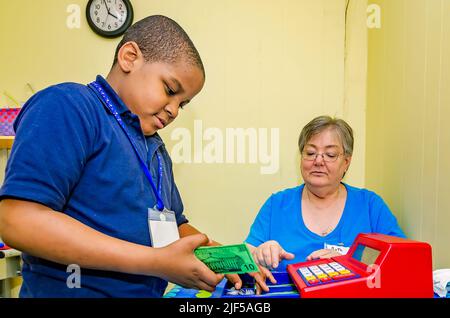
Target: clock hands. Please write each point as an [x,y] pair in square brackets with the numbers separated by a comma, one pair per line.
[109,12]
[113,15]
[107,9]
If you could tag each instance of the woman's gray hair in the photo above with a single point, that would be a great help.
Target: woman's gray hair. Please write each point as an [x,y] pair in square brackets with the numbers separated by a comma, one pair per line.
[319,124]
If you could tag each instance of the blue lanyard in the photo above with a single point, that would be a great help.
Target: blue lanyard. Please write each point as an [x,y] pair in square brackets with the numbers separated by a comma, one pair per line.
[158,192]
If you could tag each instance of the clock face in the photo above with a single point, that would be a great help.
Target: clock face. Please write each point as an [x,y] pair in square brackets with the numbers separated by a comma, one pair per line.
[109,18]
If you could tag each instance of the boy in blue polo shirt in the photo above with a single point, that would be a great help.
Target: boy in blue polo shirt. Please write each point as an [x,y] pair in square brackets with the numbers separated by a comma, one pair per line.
[87,166]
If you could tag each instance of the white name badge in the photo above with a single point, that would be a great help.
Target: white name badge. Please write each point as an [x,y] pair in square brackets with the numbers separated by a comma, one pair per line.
[337,248]
[163,227]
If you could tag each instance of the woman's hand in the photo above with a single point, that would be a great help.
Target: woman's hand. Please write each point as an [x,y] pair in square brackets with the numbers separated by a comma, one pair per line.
[269,254]
[323,253]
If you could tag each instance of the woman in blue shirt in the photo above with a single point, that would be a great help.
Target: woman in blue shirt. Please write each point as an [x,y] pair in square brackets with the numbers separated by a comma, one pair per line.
[322,217]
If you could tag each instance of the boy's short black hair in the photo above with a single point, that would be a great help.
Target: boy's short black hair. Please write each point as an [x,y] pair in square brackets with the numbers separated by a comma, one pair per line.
[161,39]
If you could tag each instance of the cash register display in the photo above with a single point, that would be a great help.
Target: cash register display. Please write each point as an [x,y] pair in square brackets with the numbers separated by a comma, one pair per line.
[365,254]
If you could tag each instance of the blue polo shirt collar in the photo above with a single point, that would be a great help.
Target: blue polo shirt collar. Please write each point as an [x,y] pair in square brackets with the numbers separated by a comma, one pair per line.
[117,101]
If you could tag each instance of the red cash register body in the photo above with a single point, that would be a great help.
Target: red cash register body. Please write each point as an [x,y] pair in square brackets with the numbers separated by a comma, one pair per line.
[376,265]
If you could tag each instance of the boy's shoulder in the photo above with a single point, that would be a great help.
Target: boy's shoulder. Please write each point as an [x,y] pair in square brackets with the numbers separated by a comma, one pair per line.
[62,102]
[68,86]
[66,95]
[68,90]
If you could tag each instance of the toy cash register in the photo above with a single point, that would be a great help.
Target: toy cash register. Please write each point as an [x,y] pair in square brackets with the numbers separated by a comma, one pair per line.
[375,266]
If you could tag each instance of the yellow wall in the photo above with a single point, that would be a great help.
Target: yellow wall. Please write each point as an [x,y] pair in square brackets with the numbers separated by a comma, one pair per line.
[270,64]
[408,139]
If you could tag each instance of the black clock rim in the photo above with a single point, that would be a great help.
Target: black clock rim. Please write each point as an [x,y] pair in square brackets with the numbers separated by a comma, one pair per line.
[116,33]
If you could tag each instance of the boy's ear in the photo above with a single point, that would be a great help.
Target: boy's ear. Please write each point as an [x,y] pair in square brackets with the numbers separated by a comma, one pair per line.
[128,56]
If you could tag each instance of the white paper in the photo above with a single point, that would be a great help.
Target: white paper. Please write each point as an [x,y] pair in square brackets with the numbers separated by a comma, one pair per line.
[441,282]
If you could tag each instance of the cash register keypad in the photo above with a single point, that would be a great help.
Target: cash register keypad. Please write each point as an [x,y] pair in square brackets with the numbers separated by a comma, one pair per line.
[325,273]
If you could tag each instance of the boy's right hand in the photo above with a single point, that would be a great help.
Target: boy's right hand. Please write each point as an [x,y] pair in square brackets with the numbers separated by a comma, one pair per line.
[179,265]
[270,253]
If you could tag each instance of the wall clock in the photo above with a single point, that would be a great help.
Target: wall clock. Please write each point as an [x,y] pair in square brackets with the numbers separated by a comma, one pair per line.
[109,18]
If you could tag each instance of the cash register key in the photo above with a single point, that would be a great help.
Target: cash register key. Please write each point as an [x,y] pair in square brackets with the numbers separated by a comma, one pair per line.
[305,271]
[306,274]
[326,268]
[316,270]
[318,273]
[334,264]
[345,271]
[337,266]
[313,281]
[338,277]
[331,274]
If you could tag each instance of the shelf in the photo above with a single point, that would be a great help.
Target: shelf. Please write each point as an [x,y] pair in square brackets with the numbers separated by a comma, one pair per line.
[6,142]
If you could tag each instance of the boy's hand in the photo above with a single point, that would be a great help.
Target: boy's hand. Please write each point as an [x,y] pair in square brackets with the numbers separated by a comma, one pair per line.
[179,265]
[270,253]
